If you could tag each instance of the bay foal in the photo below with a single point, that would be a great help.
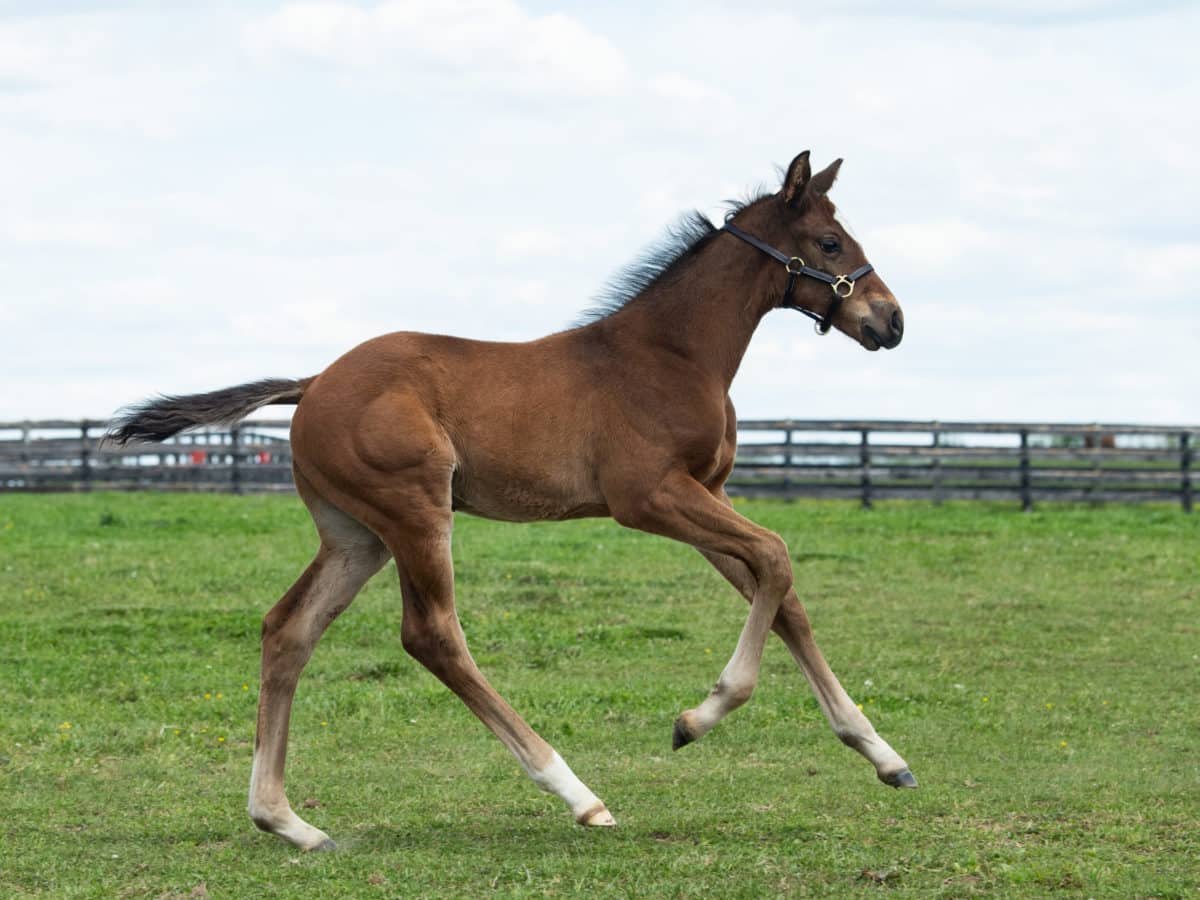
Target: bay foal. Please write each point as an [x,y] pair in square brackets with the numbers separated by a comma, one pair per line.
[627,416]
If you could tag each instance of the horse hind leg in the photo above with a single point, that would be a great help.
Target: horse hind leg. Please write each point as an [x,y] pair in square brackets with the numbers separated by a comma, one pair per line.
[349,555]
[431,633]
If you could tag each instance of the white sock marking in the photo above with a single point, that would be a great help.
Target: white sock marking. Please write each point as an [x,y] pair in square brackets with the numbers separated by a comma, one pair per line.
[557,778]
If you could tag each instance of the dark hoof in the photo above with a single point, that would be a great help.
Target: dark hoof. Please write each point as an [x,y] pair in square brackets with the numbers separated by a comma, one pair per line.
[901,779]
[681,737]
[325,846]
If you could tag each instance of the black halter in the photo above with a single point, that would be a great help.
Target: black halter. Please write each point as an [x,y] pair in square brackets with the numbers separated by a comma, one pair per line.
[842,285]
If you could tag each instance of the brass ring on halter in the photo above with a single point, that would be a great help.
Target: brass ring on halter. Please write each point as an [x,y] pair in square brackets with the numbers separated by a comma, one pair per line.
[795,266]
[843,281]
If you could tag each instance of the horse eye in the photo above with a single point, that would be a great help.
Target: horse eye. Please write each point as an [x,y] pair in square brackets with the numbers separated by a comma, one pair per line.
[829,245]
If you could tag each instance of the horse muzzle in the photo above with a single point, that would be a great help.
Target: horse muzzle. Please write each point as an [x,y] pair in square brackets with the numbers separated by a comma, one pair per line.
[883,327]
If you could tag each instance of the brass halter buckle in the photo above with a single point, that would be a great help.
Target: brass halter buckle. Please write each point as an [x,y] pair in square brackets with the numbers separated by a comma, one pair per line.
[843,282]
[795,266]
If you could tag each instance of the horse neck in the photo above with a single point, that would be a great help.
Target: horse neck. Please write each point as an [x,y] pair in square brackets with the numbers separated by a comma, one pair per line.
[707,313]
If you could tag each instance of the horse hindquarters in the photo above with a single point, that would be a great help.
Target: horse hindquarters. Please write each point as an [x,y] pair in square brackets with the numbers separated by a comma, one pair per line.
[396,481]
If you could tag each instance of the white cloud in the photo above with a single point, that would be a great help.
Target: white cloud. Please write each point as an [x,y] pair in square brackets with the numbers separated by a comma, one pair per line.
[262,190]
[527,242]
[104,72]
[531,293]
[1171,269]
[66,230]
[935,246]
[673,86]
[1023,13]
[31,55]
[485,39]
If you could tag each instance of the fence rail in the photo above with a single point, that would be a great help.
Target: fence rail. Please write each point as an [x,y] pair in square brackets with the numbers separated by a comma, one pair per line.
[863,460]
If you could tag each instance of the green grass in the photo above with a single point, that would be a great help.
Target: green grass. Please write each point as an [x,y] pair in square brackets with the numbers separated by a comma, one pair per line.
[1038,671]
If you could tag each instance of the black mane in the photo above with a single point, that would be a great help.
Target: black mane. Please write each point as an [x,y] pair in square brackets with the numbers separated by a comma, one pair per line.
[681,242]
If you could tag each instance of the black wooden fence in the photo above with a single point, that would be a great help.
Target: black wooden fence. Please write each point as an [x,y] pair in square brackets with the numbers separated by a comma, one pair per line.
[64,455]
[1023,462]
[866,461]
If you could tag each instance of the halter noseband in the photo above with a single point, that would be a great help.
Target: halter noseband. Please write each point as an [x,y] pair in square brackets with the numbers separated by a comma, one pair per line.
[842,285]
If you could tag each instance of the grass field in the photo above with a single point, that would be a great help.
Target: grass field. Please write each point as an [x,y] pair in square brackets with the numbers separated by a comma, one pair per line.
[1039,672]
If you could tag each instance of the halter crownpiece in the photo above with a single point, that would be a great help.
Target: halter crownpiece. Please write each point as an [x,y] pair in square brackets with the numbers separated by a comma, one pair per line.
[841,285]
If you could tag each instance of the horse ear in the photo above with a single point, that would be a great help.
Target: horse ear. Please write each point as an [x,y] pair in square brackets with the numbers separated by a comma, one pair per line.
[796,179]
[823,180]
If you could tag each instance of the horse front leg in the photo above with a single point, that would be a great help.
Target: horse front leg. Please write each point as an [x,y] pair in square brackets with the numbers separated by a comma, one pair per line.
[680,507]
[848,722]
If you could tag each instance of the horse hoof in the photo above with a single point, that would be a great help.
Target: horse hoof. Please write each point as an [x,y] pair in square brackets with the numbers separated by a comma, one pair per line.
[598,817]
[324,847]
[901,779]
[681,736]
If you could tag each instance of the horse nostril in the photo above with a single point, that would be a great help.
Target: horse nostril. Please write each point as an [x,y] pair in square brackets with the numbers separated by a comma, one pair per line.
[897,323]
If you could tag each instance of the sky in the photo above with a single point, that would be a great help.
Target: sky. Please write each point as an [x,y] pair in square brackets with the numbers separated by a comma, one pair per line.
[198,195]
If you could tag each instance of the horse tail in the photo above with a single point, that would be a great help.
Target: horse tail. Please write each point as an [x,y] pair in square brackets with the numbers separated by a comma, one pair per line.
[164,416]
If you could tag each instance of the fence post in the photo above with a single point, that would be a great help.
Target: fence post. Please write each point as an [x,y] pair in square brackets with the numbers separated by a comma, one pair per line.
[1185,471]
[235,474]
[787,463]
[1097,448]
[937,464]
[27,457]
[865,456]
[85,457]
[1026,491]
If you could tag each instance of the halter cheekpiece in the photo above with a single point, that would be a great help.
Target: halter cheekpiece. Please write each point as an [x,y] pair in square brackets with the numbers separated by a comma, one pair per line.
[842,285]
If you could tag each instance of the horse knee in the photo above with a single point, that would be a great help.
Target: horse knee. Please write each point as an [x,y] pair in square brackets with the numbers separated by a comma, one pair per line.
[280,636]
[774,566]
[272,622]
[285,610]
[792,620]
